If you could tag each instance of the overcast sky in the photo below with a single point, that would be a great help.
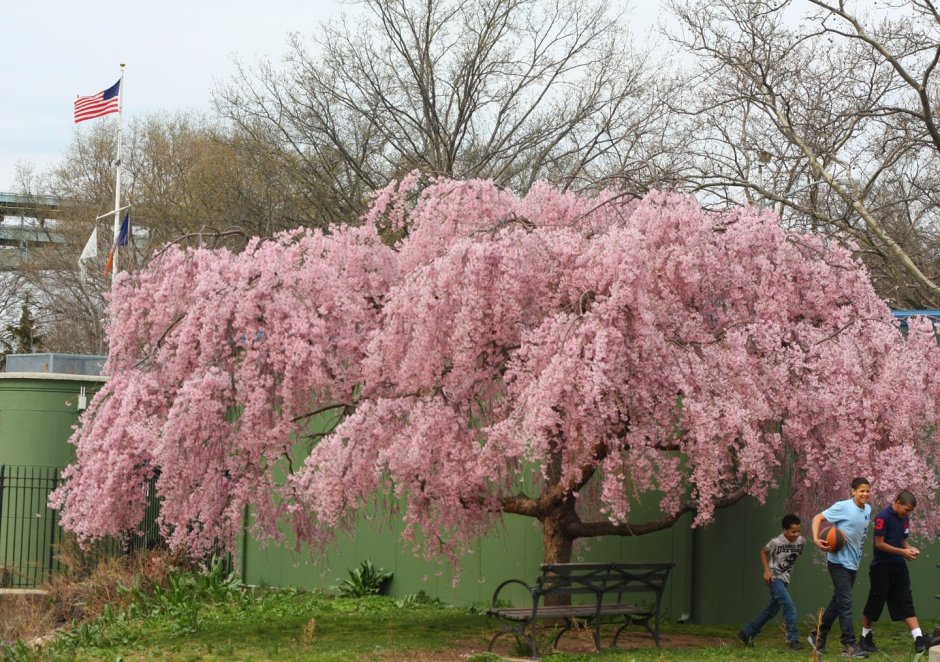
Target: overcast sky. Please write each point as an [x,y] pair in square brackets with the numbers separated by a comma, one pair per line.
[176,51]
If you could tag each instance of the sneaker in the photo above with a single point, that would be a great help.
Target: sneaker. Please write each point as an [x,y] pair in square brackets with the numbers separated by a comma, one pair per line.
[746,640]
[821,648]
[867,643]
[854,652]
[795,645]
[921,644]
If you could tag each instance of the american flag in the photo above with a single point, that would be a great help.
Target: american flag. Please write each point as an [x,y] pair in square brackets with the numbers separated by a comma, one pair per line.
[97,105]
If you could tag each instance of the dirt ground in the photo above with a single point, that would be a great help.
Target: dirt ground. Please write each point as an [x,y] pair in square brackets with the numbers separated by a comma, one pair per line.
[572,642]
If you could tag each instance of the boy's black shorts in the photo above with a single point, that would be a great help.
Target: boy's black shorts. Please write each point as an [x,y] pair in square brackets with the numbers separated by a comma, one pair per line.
[891,583]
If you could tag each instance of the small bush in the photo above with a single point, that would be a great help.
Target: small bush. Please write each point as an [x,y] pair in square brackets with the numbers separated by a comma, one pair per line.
[86,582]
[365,580]
[417,600]
[183,595]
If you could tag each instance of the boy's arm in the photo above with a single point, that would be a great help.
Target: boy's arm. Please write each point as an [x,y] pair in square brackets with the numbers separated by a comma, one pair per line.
[908,545]
[814,528]
[907,551]
[768,576]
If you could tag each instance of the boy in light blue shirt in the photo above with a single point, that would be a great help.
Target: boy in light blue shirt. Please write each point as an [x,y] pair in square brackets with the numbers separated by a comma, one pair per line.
[852,517]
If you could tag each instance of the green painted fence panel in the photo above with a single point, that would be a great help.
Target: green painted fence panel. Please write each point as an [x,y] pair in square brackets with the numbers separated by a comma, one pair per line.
[513,550]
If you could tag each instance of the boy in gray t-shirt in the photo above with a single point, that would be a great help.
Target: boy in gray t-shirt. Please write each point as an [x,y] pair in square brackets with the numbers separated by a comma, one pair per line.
[778,557]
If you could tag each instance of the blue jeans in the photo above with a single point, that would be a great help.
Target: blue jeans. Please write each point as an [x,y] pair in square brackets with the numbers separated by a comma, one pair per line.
[841,604]
[779,599]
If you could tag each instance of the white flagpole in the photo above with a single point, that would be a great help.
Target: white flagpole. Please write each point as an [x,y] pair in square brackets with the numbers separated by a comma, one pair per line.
[117,179]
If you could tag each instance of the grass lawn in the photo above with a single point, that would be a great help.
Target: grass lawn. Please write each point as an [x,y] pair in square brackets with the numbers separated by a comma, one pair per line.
[296,625]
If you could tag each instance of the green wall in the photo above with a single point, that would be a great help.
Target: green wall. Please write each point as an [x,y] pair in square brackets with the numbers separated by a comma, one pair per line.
[513,551]
[37,412]
[718,576]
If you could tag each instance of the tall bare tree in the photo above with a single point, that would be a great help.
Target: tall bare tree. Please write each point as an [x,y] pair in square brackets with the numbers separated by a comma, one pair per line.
[183,175]
[513,90]
[828,114]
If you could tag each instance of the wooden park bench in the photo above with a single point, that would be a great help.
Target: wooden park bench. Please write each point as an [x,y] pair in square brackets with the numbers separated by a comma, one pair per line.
[597,592]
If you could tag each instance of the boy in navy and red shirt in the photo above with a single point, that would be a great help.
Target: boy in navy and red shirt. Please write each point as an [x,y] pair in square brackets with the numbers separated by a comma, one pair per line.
[890,580]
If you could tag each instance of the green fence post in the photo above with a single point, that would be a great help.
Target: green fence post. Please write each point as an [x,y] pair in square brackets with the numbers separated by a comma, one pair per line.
[52,529]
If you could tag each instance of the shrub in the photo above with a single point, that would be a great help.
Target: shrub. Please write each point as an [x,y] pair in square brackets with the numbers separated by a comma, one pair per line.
[365,580]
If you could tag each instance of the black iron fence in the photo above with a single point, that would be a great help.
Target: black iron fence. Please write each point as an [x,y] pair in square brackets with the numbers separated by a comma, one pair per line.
[30,534]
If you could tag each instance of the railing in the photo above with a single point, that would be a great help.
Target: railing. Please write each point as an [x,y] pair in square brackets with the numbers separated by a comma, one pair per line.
[28,528]
[30,531]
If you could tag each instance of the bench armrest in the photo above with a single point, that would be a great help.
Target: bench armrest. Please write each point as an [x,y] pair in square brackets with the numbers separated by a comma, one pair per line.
[506,583]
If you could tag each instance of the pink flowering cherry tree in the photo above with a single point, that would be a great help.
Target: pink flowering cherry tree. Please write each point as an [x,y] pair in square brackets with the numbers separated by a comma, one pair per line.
[551,355]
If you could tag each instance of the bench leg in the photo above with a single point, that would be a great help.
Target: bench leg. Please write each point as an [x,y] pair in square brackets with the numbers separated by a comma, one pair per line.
[519,633]
[568,625]
[643,623]
[653,631]
[623,627]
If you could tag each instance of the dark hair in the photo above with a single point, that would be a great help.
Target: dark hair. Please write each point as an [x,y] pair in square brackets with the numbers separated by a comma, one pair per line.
[790,520]
[907,498]
[858,482]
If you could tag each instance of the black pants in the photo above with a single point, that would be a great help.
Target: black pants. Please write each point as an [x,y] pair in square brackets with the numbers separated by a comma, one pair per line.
[891,583]
[841,604]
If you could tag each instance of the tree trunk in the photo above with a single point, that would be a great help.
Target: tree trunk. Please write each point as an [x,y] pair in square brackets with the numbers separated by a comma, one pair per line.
[557,543]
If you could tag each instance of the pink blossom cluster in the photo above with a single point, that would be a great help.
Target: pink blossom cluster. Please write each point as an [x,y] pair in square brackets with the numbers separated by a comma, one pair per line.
[215,361]
[506,349]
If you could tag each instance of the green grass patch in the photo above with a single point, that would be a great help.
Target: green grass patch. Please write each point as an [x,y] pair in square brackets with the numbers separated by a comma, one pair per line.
[211,618]
[262,624]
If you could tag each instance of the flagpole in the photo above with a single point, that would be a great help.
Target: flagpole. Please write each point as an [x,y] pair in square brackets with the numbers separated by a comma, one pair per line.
[117,179]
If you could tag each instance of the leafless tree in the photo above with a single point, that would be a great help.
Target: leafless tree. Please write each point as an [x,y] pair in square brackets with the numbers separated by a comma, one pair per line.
[514,90]
[829,115]
[182,175]
[68,310]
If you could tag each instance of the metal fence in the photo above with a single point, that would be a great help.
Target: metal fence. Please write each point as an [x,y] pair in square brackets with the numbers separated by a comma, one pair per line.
[30,533]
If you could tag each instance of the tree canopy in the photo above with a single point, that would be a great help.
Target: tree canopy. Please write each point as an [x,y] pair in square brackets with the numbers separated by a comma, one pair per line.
[552,355]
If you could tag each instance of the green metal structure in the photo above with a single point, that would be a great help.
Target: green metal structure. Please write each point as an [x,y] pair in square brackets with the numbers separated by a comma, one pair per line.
[37,412]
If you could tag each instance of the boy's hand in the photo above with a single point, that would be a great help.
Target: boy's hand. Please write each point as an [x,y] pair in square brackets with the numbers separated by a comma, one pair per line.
[910,553]
[822,544]
[768,577]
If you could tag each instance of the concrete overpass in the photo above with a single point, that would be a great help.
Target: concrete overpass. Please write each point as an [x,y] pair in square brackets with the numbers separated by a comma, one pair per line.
[27,222]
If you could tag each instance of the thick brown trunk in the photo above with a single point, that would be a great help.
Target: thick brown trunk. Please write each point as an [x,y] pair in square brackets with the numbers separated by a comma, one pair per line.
[556,541]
